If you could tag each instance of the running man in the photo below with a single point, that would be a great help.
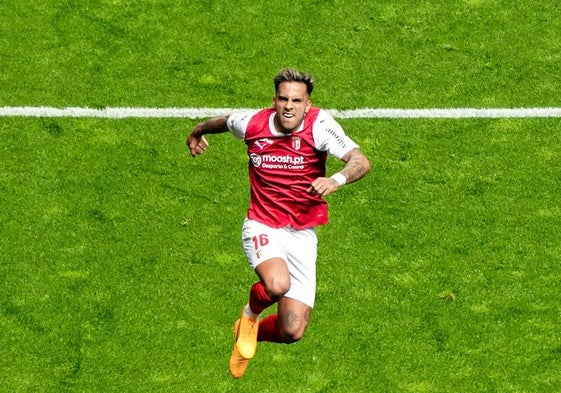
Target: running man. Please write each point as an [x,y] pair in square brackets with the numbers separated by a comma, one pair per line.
[287,146]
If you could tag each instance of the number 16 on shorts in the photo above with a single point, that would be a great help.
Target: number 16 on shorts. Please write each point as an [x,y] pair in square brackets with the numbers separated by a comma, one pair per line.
[258,242]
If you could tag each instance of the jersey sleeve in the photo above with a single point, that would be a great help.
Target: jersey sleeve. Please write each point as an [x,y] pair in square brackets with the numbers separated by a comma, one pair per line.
[237,123]
[329,136]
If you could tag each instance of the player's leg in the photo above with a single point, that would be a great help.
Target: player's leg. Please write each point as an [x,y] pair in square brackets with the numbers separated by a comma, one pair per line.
[294,317]
[295,307]
[288,325]
[265,252]
[274,282]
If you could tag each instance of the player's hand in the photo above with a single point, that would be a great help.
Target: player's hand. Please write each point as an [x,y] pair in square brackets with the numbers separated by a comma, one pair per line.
[197,144]
[323,186]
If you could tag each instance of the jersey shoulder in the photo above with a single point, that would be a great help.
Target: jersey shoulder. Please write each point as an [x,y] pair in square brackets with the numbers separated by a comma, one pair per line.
[238,122]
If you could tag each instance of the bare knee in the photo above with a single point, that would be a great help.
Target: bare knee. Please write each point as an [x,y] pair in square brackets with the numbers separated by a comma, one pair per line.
[293,326]
[292,335]
[275,277]
[276,287]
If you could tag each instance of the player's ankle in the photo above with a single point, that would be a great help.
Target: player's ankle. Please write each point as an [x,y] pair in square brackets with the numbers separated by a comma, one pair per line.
[249,313]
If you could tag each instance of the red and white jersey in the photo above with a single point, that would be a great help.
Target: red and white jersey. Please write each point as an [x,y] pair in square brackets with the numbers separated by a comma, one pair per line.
[282,167]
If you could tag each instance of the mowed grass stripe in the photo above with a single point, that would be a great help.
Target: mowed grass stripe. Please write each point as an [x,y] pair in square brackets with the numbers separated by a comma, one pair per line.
[197,113]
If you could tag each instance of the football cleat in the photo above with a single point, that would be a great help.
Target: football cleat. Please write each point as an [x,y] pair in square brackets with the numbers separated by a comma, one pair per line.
[238,364]
[246,340]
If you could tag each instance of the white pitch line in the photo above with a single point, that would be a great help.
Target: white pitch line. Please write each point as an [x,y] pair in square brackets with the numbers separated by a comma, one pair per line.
[448,113]
[199,113]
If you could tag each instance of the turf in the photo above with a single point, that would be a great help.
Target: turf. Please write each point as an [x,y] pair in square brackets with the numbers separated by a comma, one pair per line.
[121,268]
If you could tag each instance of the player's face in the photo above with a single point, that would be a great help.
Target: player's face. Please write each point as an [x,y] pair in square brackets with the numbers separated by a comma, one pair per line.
[291,102]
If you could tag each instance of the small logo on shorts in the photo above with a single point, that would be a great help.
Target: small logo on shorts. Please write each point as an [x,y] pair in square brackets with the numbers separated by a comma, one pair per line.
[258,254]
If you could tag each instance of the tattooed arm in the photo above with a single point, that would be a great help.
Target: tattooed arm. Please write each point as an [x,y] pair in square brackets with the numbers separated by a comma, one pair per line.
[356,166]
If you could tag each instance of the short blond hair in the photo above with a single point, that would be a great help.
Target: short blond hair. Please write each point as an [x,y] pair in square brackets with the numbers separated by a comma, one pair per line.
[294,75]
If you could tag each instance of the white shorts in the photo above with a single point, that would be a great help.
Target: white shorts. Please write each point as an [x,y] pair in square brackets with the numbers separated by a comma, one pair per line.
[297,247]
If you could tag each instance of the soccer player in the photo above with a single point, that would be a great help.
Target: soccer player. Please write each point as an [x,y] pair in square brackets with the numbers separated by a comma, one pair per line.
[287,147]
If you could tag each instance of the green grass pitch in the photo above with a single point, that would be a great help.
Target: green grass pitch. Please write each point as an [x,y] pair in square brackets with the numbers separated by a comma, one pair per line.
[121,268]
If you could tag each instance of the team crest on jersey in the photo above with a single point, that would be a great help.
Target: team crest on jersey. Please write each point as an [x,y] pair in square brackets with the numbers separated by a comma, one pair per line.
[296,142]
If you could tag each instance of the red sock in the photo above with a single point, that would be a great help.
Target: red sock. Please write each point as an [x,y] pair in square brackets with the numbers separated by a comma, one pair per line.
[269,330]
[258,298]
